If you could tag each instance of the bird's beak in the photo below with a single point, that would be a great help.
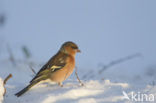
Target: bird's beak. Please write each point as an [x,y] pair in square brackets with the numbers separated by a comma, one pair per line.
[78,50]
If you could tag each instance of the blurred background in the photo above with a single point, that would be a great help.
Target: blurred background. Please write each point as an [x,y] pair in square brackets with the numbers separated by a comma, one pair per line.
[105,30]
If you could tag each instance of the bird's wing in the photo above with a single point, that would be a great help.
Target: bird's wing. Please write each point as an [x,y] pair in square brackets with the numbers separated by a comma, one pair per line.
[51,66]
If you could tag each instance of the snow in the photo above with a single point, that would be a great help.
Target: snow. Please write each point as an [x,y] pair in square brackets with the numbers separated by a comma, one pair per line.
[2,90]
[105,30]
[95,90]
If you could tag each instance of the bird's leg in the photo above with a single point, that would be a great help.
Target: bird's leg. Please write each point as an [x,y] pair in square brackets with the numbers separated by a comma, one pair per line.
[60,84]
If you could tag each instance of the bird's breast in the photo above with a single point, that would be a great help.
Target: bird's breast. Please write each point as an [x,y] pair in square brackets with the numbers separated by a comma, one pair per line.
[65,72]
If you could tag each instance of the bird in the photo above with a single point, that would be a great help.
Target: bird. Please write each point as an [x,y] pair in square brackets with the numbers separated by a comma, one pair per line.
[58,68]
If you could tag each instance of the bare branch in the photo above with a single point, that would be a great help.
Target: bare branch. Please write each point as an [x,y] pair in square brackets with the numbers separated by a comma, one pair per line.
[4,82]
[26,52]
[119,61]
[7,78]
[33,70]
[78,77]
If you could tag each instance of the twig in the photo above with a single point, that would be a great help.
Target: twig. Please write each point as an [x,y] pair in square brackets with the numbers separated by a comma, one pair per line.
[119,61]
[26,52]
[33,70]
[7,78]
[78,77]
[4,82]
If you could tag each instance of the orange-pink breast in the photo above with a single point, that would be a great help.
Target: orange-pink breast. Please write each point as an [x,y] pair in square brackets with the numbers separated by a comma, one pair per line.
[65,72]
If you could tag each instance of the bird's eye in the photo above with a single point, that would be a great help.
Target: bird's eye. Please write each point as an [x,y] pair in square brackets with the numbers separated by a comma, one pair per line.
[74,47]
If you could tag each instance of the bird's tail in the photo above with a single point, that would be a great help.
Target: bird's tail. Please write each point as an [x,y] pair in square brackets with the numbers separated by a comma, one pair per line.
[25,89]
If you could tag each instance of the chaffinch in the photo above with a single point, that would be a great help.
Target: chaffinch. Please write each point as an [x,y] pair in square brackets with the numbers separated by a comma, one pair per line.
[58,68]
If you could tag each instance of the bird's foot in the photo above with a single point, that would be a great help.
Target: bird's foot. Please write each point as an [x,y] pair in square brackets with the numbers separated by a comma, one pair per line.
[60,84]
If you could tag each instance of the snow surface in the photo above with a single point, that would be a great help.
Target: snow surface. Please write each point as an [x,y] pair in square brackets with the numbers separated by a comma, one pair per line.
[96,89]
[2,90]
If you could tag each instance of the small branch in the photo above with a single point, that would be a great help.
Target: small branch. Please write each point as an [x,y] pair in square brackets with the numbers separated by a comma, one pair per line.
[119,61]
[7,78]
[26,52]
[33,70]
[78,77]
[4,82]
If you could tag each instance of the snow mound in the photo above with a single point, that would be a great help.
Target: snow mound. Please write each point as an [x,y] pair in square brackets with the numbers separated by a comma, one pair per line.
[93,91]
[100,89]
[2,90]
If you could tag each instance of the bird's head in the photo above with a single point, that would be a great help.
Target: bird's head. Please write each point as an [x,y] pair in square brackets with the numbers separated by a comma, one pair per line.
[69,48]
